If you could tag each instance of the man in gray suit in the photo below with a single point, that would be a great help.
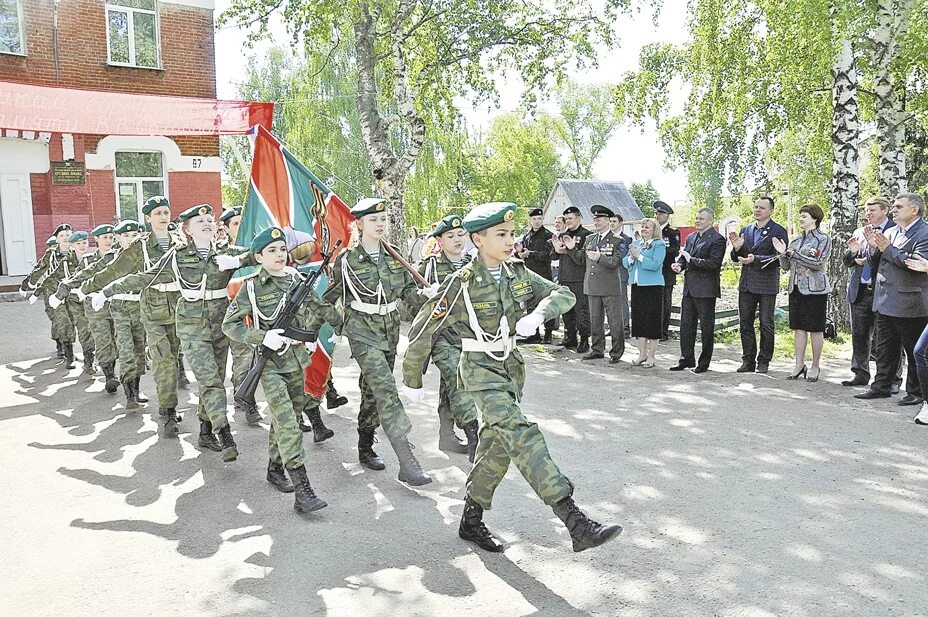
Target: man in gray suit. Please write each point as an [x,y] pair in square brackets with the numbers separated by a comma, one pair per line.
[900,298]
[615,224]
[602,253]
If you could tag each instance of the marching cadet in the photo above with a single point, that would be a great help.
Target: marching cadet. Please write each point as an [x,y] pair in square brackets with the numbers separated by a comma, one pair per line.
[202,279]
[157,303]
[101,323]
[248,321]
[370,282]
[455,406]
[47,264]
[485,297]
[70,311]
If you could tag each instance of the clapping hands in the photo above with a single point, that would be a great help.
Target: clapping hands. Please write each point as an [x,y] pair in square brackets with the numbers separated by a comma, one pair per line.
[778,245]
[736,241]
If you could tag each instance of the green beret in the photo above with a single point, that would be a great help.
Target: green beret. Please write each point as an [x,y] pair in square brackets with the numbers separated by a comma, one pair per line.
[452,221]
[102,230]
[200,210]
[229,213]
[155,202]
[77,236]
[51,241]
[370,205]
[60,228]
[265,237]
[126,226]
[489,215]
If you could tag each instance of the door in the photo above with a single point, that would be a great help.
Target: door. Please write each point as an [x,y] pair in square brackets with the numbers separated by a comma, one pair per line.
[16,224]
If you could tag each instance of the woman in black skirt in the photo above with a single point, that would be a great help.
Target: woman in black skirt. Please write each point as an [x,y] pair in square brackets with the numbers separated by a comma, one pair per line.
[806,258]
[644,261]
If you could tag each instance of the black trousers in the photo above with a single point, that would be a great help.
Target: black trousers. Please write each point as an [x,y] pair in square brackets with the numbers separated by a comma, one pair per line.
[693,310]
[863,337]
[577,319]
[749,304]
[665,318]
[891,334]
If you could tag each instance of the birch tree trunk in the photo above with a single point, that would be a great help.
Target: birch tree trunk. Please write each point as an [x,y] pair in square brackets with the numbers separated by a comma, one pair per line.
[845,192]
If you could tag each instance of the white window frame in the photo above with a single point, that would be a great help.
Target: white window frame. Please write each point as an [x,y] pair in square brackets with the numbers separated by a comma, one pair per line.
[138,180]
[130,15]
[22,31]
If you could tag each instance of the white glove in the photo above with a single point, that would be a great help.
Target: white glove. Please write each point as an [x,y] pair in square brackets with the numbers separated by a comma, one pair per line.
[54,302]
[310,346]
[23,292]
[97,300]
[430,291]
[413,394]
[274,339]
[80,294]
[528,325]
[33,298]
[228,262]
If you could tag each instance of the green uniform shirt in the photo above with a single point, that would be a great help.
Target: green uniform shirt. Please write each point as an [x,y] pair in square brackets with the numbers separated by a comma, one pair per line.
[47,263]
[95,264]
[436,269]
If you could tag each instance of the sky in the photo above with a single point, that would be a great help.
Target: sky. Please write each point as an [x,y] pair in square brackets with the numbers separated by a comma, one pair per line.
[633,154]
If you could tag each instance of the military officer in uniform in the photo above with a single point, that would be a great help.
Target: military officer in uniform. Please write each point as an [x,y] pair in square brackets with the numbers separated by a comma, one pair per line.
[571,272]
[615,224]
[671,237]
[536,253]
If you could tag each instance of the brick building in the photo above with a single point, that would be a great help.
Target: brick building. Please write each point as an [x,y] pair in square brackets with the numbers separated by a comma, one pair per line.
[160,47]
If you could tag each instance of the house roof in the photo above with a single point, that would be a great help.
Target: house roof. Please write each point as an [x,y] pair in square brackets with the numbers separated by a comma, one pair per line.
[585,193]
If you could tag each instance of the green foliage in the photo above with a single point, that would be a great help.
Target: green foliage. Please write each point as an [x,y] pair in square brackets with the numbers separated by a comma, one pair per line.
[645,195]
[584,125]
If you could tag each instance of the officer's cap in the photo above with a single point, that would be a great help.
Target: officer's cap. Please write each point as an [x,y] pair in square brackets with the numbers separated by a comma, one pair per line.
[52,241]
[102,230]
[536,212]
[126,226]
[571,210]
[229,213]
[369,205]
[660,206]
[489,215]
[452,221]
[77,236]
[266,237]
[155,202]
[201,210]
[599,210]
[60,228]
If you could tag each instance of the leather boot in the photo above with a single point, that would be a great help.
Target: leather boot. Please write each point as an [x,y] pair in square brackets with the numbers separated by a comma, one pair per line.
[167,422]
[207,439]
[584,345]
[109,371]
[448,441]
[366,454]
[131,401]
[473,530]
[88,363]
[471,430]
[333,399]
[584,532]
[138,392]
[320,431]
[68,355]
[569,342]
[277,477]
[531,340]
[305,499]
[250,411]
[303,426]
[59,349]
[410,471]
[547,340]
[229,451]
[182,381]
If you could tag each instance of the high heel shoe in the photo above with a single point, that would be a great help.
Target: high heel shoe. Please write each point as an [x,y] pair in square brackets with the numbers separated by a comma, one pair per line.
[810,378]
[639,361]
[802,373]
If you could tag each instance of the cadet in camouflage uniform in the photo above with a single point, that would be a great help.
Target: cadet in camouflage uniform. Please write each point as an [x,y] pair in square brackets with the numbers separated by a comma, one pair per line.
[455,405]
[485,297]
[101,322]
[76,260]
[249,317]
[202,277]
[157,303]
[40,272]
[369,283]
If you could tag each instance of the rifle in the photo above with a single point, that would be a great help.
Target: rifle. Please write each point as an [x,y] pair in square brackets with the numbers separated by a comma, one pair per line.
[284,321]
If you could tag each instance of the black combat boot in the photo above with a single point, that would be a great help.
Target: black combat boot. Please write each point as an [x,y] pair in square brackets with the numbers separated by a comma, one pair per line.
[132,402]
[366,454]
[410,471]
[333,399]
[109,371]
[277,477]
[250,410]
[531,340]
[320,431]
[168,422]
[569,342]
[473,530]
[138,392]
[448,441]
[229,451]
[207,439]
[59,353]
[584,345]
[88,363]
[182,381]
[68,355]
[471,429]
[305,499]
[306,428]
[548,339]
[584,533]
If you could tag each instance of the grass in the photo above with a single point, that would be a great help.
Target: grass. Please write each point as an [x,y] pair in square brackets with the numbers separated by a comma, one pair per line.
[783,342]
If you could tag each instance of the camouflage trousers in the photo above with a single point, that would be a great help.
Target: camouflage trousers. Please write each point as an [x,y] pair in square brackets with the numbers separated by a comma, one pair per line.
[206,348]
[62,326]
[284,394]
[380,403]
[242,358]
[101,329]
[79,319]
[452,399]
[163,345]
[130,338]
[51,318]
[507,435]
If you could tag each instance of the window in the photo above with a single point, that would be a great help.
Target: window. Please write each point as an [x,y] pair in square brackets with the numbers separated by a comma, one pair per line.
[12,40]
[139,175]
[132,32]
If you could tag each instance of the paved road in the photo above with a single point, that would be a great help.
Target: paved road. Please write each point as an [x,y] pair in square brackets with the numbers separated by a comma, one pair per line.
[740,496]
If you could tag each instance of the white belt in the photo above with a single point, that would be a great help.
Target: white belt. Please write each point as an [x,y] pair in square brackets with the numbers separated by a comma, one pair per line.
[470,344]
[127,297]
[374,309]
[76,293]
[165,287]
[208,294]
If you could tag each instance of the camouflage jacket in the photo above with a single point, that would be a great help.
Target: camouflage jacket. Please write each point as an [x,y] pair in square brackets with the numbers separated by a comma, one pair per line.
[47,263]
[470,298]
[68,265]
[95,264]
[435,269]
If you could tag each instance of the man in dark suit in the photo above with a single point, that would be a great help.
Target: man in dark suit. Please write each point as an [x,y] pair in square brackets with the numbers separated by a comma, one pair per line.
[571,272]
[701,258]
[671,237]
[615,224]
[900,297]
[536,253]
[759,283]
